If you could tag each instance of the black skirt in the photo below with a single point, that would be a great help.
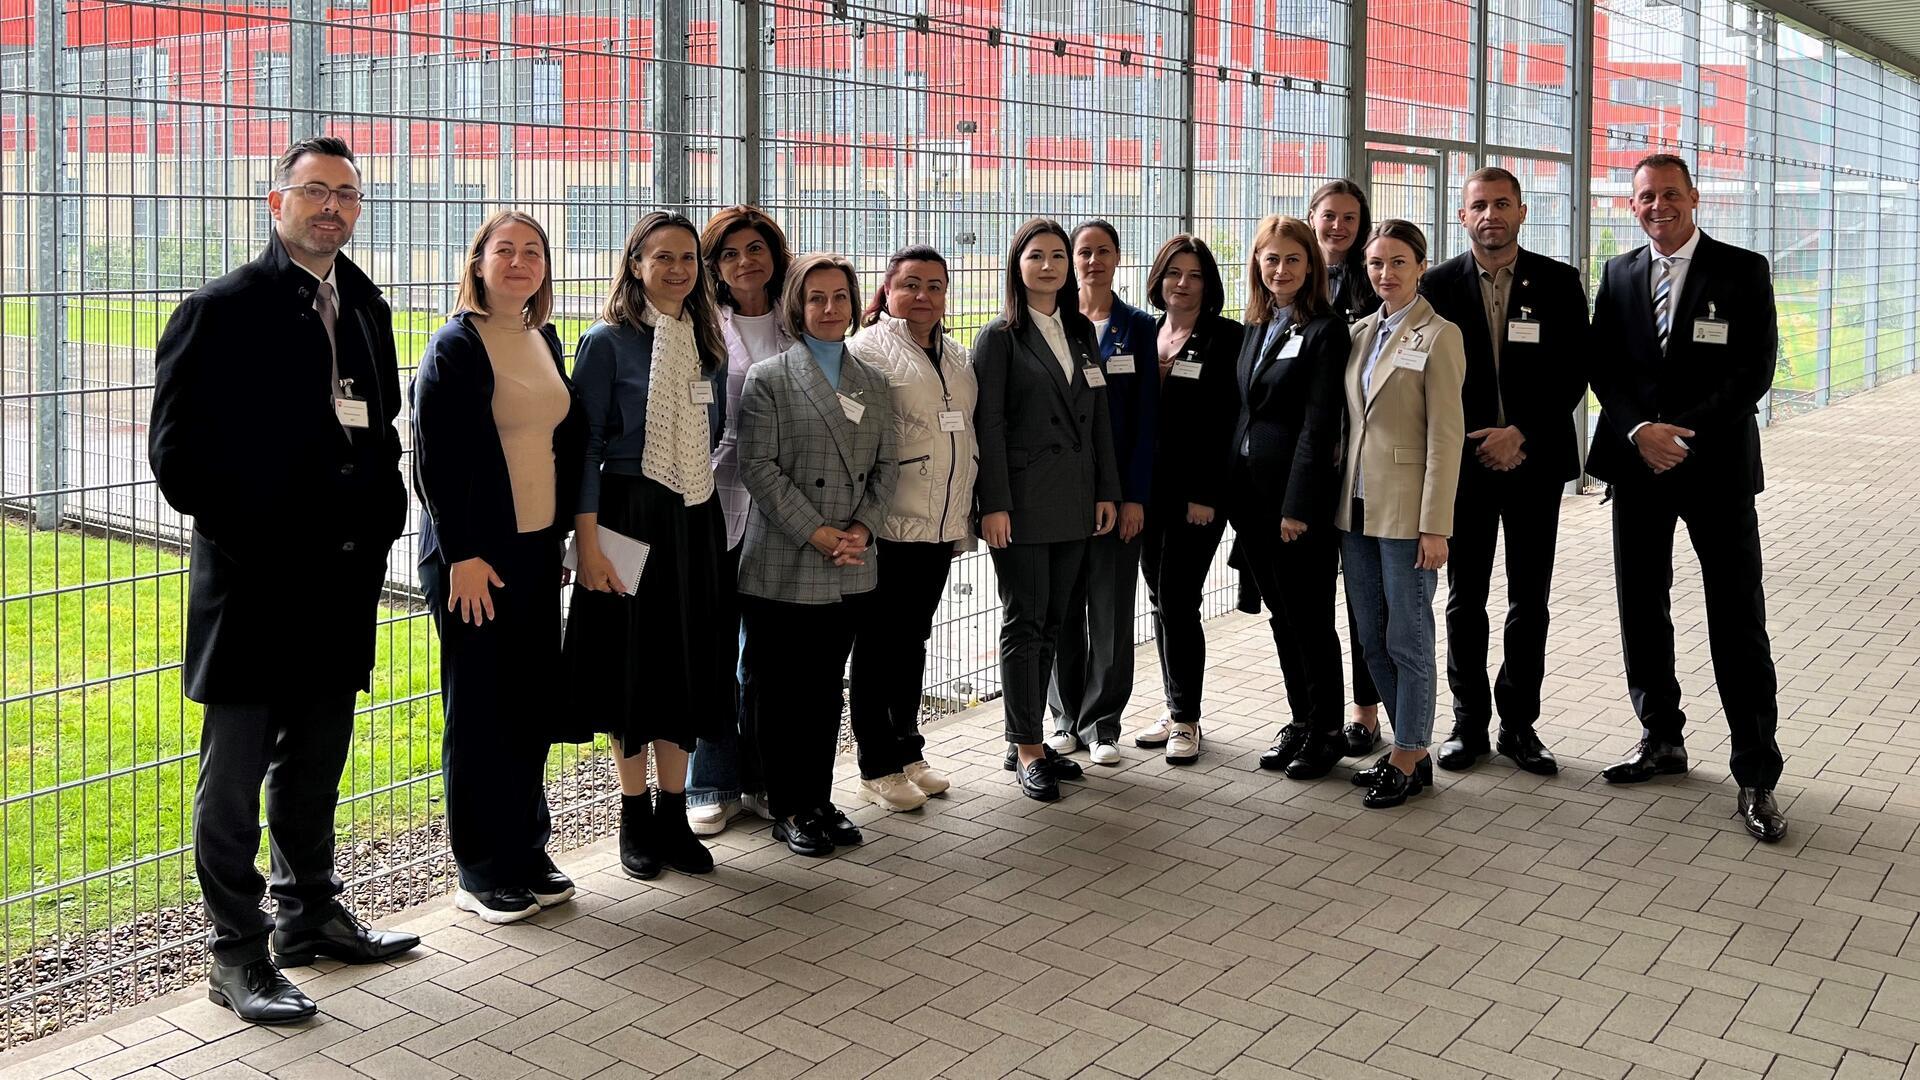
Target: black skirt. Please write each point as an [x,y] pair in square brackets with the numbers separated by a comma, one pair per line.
[659,664]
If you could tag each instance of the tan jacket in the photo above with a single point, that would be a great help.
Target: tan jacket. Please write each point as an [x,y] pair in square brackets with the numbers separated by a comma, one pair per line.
[1408,432]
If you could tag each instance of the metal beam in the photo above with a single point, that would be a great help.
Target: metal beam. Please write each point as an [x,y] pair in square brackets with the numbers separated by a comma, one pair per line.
[670,117]
[306,46]
[1357,169]
[1822,23]
[50,308]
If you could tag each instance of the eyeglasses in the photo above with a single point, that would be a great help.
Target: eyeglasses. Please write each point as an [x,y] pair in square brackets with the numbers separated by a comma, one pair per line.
[318,194]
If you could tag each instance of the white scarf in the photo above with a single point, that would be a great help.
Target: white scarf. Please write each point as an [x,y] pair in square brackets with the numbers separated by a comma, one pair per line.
[677,434]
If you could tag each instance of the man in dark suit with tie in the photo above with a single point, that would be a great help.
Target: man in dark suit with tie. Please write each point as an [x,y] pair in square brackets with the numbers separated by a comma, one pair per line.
[275,393]
[1685,343]
[1523,320]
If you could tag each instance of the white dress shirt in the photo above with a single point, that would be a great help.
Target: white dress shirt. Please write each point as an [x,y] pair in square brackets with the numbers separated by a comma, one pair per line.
[1682,259]
[1055,332]
[1389,326]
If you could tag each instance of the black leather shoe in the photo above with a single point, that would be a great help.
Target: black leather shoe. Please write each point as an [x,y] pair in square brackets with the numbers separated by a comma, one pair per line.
[551,886]
[1293,739]
[842,832]
[1368,776]
[1757,812]
[497,906]
[1391,787]
[342,937]
[1317,758]
[1038,780]
[1463,749]
[1524,749]
[1361,739]
[637,855]
[258,993]
[804,834]
[1650,758]
[673,839]
[1064,768]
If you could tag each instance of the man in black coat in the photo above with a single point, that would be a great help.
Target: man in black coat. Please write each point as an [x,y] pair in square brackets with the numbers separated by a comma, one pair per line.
[1685,343]
[1523,319]
[275,395]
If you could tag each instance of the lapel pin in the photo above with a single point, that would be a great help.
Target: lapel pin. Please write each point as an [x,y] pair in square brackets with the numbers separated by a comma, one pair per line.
[1524,283]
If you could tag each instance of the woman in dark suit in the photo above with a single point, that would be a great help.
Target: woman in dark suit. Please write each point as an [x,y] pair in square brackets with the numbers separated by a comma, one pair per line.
[1197,348]
[1047,478]
[1285,475]
[498,437]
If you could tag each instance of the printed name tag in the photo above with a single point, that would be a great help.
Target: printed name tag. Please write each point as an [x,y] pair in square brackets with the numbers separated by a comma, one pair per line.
[1710,331]
[351,411]
[852,408]
[953,420]
[1411,359]
[1525,331]
[702,391]
[1120,364]
[1095,377]
[1292,348]
[1186,369]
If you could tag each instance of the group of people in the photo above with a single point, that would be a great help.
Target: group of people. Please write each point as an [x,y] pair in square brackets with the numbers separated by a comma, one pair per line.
[756,473]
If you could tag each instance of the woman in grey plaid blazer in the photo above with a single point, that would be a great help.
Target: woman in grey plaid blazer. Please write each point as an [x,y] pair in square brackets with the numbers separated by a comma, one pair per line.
[817,454]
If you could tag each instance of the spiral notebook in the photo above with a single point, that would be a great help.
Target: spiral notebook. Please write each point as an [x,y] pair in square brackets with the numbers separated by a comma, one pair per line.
[629,556]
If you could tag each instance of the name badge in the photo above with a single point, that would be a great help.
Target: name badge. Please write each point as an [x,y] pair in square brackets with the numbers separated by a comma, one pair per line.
[352,412]
[702,391]
[1411,359]
[1292,348]
[1525,331]
[1120,364]
[1095,377]
[953,420]
[1186,369]
[1710,331]
[853,409]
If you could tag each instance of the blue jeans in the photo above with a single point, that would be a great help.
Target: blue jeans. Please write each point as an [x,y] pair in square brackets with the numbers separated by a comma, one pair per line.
[729,763]
[1391,602]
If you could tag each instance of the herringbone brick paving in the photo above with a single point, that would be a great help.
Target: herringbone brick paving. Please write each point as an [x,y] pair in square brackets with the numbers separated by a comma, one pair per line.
[1222,921]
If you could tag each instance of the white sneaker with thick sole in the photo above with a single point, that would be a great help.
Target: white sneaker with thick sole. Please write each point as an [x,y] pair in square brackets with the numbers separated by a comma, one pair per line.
[926,779]
[893,791]
[1105,753]
[1183,744]
[1154,735]
[1062,742]
[709,819]
[466,901]
[757,806]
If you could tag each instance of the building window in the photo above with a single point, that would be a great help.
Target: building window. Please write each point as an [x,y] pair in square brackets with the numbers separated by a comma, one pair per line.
[598,217]
[125,80]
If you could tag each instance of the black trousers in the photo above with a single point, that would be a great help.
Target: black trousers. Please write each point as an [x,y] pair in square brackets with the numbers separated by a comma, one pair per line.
[1039,585]
[795,662]
[498,681]
[1297,580]
[1725,532]
[1530,512]
[298,749]
[890,655]
[1093,666]
[1174,561]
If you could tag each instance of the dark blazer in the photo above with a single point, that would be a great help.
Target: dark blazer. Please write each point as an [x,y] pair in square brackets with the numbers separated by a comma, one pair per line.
[243,437]
[612,376]
[459,469]
[1134,400]
[1046,445]
[1290,418]
[1354,298]
[1541,384]
[1713,389]
[1197,418]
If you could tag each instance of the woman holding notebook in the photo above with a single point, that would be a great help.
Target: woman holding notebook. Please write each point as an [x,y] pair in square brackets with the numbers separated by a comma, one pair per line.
[652,667]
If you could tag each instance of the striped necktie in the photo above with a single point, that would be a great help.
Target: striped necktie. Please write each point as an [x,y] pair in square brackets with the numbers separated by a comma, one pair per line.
[1663,302]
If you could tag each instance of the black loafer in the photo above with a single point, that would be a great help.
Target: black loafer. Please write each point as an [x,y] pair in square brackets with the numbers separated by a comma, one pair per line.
[1293,739]
[1756,810]
[841,831]
[1361,739]
[1391,787]
[1370,775]
[1524,748]
[343,938]
[1317,758]
[1064,768]
[1463,749]
[1038,781]
[804,834]
[1650,758]
[258,993]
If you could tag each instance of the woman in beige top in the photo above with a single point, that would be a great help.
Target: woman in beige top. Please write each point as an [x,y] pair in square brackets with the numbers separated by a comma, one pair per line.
[498,438]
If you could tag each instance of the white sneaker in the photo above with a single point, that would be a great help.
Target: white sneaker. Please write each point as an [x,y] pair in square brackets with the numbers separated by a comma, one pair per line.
[1183,744]
[495,908]
[893,791]
[757,806]
[926,779]
[1062,742]
[1105,753]
[709,819]
[1154,735]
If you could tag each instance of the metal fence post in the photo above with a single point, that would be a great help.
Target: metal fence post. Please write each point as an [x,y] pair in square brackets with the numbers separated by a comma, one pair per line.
[306,45]
[751,88]
[50,309]
[670,106]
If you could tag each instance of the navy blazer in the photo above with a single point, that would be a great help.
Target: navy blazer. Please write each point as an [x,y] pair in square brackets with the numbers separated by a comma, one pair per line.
[1197,416]
[1291,413]
[613,373]
[1713,389]
[1133,400]
[459,469]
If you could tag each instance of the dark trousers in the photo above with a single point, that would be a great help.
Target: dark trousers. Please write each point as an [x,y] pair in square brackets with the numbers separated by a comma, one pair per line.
[1530,512]
[727,766]
[1093,666]
[1039,585]
[498,682]
[298,749]
[1726,536]
[1297,580]
[1174,560]
[890,655]
[795,662]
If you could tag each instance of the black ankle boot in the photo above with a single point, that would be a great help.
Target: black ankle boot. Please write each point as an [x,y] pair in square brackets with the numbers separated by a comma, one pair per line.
[673,840]
[639,837]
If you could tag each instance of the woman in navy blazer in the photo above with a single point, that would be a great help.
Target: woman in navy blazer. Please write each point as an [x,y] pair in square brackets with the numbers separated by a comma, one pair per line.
[1286,478]
[497,443]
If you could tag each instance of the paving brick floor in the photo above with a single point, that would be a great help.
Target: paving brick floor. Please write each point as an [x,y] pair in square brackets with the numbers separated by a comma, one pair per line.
[1218,920]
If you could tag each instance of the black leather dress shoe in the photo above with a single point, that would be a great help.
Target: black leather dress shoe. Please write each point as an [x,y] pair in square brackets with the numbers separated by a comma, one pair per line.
[841,831]
[1064,768]
[342,937]
[1361,739]
[1293,739]
[804,834]
[1463,749]
[1650,758]
[258,993]
[1370,775]
[1038,781]
[1524,748]
[1391,787]
[1756,810]
[1317,758]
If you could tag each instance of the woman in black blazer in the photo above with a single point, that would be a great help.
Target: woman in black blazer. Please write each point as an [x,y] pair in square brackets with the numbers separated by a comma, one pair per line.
[1285,479]
[1047,478]
[1199,403]
[498,439]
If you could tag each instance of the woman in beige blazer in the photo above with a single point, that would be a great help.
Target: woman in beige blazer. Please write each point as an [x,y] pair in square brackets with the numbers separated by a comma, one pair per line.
[1401,466]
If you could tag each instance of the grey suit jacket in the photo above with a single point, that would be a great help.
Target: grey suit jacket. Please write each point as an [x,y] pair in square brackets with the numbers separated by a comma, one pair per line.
[1046,444]
[806,465]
